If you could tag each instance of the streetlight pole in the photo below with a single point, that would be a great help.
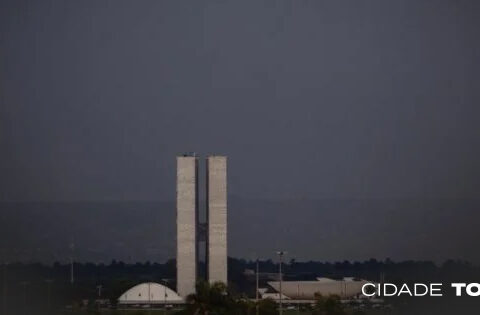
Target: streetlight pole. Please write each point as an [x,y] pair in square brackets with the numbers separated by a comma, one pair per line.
[24,284]
[49,288]
[71,271]
[165,296]
[5,288]
[99,288]
[298,297]
[280,255]
[72,248]
[256,288]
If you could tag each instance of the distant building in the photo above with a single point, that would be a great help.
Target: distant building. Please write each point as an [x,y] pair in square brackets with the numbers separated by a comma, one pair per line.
[188,230]
[217,219]
[149,293]
[187,221]
[305,290]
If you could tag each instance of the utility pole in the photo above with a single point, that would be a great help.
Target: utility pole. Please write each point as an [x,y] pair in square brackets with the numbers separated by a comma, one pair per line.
[280,255]
[5,288]
[298,297]
[99,288]
[71,271]
[24,284]
[256,288]
[72,247]
[49,292]
[149,297]
[165,281]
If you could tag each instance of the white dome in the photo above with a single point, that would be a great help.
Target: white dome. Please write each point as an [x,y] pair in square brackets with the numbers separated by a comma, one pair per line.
[149,293]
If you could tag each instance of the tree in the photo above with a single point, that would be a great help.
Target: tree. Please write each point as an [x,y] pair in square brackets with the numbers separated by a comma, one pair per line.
[267,307]
[243,306]
[330,305]
[209,299]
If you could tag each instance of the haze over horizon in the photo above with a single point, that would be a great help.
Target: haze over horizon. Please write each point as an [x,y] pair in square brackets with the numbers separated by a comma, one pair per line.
[324,230]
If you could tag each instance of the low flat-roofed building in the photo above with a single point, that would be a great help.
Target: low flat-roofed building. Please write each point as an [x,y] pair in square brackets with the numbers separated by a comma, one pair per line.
[306,290]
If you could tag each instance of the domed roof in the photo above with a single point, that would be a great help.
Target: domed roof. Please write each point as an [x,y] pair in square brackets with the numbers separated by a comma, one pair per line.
[149,293]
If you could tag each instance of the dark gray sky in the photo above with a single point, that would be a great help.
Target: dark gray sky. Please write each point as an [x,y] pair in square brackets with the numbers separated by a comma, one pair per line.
[331,101]
[309,99]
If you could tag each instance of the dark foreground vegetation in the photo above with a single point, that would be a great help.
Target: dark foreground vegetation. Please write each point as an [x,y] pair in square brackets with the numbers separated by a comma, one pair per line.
[42,289]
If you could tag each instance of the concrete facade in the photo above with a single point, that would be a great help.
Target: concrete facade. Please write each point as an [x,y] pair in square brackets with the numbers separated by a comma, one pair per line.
[187,220]
[217,219]
[149,293]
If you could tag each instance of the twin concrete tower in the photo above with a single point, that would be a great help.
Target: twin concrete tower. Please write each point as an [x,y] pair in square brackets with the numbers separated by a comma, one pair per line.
[188,227]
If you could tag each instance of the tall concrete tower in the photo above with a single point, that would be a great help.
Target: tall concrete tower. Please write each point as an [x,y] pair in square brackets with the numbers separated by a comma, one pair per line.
[187,221]
[189,231]
[217,218]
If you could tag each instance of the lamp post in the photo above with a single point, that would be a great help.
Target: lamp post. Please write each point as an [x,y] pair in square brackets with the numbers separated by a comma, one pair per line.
[4,288]
[99,289]
[24,284]
[280,255]
[298,297]
[49,292]
[256,288]
[72,248]
[165,281]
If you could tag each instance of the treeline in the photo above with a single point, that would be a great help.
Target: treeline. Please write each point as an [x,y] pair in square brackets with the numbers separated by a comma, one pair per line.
[36,286]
